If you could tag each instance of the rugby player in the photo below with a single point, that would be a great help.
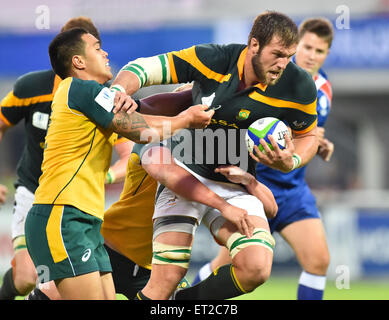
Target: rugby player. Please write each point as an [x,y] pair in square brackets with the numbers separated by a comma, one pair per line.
[62,228]
[241,83]
[127,228]
[30,100]
[298,218]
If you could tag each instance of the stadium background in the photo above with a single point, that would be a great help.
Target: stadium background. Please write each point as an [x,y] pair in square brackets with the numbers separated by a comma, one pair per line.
[352,190]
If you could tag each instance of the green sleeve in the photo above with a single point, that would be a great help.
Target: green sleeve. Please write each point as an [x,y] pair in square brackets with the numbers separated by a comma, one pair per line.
[94,100]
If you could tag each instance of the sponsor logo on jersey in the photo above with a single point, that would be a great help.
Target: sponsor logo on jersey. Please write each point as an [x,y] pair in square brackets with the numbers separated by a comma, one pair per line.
[40,120]
[299,125]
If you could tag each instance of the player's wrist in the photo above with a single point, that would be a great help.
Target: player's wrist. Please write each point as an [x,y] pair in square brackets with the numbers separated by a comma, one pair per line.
[110,177]
[296,161]
[118,87]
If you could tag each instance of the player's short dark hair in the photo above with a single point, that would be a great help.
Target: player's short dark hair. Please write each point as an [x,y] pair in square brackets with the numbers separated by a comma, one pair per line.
[322,27]
[62,49]
[272,23]
[82,22]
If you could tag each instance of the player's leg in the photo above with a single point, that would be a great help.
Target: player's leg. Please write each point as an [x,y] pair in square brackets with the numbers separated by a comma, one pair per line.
[222,258]
[89,286]
[171,255]
[21,278]
[307,239]
[25,275]
[251,257]
[128,277]
[68,243]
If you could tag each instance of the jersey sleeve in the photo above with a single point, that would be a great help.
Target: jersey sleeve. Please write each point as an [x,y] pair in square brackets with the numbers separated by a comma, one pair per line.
[191,64]
[94,100]
[12,109]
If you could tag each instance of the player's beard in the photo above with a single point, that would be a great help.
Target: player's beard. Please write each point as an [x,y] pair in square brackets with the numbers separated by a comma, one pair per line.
[259,71]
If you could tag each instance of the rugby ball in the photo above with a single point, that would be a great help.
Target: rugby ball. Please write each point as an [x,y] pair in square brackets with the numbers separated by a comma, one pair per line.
[261,129]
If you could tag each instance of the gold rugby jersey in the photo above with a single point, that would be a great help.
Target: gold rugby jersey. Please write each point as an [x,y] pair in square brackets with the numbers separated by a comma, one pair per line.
[78,147]
[127,225]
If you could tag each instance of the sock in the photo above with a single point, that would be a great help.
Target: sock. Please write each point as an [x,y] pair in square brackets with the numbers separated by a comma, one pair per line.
[141,296]
[203,273]
[8,290]
[220,285]
[311,286]
[37,294]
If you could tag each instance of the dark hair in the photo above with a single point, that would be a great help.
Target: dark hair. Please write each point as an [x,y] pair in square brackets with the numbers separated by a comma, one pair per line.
[82,22]
[270,24]
[62,49]
[322,27]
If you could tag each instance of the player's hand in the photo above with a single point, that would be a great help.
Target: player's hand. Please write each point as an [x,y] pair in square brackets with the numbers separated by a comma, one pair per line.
[235,174]
[3,193]
[197,117]
[326,149]
[278,159]
[124,103]
[239,218]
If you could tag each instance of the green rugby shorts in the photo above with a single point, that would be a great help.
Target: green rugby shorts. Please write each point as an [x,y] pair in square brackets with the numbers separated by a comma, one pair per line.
[64,242]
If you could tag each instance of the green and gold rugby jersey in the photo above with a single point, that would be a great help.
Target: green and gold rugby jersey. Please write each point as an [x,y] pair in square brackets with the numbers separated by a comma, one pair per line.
[78,147]
[30,100]
[217,72]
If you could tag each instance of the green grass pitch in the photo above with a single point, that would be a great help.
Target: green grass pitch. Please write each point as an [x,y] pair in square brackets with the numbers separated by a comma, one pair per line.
[285,288]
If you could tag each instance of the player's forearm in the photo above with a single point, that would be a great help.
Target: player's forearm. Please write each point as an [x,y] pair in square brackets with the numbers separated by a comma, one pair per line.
[306,146]
[128,81]
[167,104]
[264,194]
[146,128]
[185,184]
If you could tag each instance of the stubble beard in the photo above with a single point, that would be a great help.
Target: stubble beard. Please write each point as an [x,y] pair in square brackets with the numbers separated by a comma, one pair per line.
[260,72]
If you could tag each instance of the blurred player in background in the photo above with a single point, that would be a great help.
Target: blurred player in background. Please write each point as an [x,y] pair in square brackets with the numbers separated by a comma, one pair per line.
[228,78]
[298,219]
[30,100]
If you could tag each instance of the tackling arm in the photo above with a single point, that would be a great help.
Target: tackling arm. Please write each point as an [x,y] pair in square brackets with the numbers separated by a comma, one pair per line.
[184,184]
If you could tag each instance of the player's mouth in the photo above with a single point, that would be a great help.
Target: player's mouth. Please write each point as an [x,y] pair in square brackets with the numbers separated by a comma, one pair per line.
[274,74]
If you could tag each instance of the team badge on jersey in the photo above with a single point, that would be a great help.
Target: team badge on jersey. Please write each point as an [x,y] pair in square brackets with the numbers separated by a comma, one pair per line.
[243,114]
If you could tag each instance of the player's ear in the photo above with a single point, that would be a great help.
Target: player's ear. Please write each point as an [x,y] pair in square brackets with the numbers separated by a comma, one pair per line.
[78,62]
[254,45]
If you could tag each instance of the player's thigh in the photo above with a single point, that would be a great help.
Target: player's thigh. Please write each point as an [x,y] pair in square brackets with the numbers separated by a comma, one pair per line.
[108,286]
[308,240]
[83,287]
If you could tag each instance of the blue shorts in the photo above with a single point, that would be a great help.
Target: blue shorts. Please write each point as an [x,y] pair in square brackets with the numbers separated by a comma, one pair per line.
[294,205]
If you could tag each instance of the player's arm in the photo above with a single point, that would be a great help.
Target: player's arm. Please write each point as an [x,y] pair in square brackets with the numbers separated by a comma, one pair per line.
[3,128]
[117,172]
[326,147]
[159,164]
[167,104]
[253,186]
[3,193]
[142,128]
[97,102]
[297,153]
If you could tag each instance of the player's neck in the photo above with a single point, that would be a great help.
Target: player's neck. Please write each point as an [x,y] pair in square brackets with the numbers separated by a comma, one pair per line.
[81,74]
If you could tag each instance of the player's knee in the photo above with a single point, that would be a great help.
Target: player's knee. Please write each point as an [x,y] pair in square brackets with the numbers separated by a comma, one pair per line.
[25,281]
[317,263]
[255,274]
[252,257]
